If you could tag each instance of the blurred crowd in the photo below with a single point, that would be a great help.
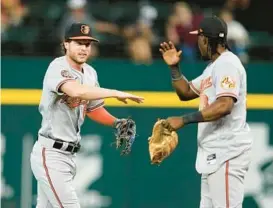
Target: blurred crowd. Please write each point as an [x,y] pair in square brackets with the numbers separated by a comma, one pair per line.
[131,29]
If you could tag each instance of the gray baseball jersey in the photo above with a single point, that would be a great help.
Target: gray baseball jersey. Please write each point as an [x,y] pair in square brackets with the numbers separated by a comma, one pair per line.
[220,140]
[62,116]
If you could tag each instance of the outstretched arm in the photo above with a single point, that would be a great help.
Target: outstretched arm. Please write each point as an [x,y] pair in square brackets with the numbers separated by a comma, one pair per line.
[74,89]
[61,81]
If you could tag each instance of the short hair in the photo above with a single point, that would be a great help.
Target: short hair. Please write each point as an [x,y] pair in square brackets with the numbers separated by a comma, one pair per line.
[63,49]
[213,44]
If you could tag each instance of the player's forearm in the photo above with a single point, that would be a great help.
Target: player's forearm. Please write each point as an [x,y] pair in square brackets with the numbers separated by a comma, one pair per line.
[180,84]
[95,93]
[218,109]
[86,92]
[215,111]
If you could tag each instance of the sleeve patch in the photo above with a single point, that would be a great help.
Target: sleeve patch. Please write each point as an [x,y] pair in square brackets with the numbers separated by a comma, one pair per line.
[66,74]
[228,82]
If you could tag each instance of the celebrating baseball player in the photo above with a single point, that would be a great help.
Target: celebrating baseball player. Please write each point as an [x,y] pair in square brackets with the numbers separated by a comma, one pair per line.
[224,140]
[71,91]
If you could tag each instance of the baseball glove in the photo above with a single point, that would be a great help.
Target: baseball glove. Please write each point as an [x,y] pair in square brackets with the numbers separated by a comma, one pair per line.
[125,135]
[162,142]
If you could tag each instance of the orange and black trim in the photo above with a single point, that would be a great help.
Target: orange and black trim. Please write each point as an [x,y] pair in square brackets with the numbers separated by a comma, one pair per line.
[228,94]
[196,91]
[49,179]
[84,38]
[227,184]
[88,110]
[61,83]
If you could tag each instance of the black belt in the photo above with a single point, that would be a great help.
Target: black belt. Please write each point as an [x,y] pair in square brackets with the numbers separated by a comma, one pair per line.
[72,147]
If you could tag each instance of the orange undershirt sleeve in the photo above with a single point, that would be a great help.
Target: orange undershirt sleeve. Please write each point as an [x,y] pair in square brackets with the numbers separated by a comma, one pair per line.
[102,116]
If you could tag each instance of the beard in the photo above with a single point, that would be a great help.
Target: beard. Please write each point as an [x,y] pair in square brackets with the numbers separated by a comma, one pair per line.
[79,60]
[205,57]
[203,54]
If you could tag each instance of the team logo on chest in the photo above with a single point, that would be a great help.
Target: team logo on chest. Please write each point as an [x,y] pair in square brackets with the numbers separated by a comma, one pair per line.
[73,102]
[206,83]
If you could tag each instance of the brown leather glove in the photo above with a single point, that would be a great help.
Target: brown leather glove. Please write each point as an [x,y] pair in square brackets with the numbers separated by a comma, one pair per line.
[162,142]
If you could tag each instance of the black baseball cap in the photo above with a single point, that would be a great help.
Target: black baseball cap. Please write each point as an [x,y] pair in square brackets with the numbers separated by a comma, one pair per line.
[212,27]
[79,31]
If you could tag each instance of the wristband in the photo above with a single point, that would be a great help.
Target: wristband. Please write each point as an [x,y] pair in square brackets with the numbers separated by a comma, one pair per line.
[175,73]
[193,117]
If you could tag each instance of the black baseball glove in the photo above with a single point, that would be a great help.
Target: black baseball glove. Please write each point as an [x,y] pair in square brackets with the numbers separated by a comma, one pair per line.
[125,132]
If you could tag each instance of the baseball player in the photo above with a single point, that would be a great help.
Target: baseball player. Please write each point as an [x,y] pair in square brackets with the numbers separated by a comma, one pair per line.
[224,140]
[70,91]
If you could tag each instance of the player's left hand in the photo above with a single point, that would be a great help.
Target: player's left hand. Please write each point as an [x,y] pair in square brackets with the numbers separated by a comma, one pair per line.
[174,123]
[125,134]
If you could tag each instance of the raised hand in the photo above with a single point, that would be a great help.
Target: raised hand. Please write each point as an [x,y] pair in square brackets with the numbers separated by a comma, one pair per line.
[170,55]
